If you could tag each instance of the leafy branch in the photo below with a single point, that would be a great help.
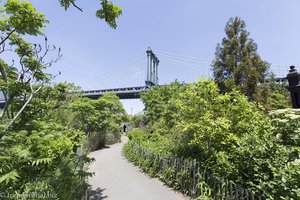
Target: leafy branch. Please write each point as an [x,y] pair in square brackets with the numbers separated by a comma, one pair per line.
[30,76]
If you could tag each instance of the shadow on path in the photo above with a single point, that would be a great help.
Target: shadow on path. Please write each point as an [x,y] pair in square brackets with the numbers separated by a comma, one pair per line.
[96,194]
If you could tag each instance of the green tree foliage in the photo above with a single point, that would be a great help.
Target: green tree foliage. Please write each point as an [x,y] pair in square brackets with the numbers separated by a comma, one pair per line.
[39,152]
[150,141]
[280,97]
[231,136]
[278,101]
[158,107]
[284,163]
[46,149]
[273,94]
[42,148]
[20,17]
[106,113]
[138,121]
[286,126]
[237,64]
[22,80]
[108,11]
[98,118]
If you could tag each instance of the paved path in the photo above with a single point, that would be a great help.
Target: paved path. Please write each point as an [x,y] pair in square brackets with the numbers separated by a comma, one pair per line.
[117,179]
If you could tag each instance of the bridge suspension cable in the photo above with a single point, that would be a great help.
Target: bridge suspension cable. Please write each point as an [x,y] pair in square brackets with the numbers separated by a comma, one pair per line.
[114,78]
[112,70]
[113,73]
[200,65]
[133,71]
[120,74]
[184,56]
[193,62]
[189,61]
[280,70]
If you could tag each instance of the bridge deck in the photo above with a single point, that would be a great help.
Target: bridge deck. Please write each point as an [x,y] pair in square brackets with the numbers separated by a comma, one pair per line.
[122,93]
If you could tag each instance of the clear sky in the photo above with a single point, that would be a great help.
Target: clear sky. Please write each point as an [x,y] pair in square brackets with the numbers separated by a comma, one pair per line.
[183,34]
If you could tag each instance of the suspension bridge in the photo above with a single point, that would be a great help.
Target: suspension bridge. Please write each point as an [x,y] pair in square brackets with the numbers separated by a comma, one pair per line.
[133,92]
[192,66]
[186,62]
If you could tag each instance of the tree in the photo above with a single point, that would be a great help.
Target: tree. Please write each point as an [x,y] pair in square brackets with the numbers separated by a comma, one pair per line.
[230,136]
[159,110]
[273,94]
[23,80]
[138,121]
[237,64]
[20,81]
[39,153]
[98,118]
[108,11]
[38,141]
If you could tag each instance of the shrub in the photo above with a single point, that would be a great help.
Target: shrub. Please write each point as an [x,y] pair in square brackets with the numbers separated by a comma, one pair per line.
[232,137]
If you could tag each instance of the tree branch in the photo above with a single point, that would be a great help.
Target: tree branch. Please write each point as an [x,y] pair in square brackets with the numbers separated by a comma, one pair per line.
[11,32]
[7,99]
[23,107]
[76,6]
[3,48]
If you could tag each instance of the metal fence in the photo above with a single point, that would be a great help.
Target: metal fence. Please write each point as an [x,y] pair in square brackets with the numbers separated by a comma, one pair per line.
[188,177]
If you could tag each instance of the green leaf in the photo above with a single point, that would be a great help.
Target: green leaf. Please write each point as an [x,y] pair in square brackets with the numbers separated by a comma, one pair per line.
[41,161]
[9,177]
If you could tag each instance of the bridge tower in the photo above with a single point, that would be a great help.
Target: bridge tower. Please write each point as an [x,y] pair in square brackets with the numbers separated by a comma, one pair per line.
[152,68]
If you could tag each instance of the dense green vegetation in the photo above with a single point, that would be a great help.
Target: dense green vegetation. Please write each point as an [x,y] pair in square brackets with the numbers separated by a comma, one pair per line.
[231,136]
[225,124]
[46,148]
[46,130]
[101,119]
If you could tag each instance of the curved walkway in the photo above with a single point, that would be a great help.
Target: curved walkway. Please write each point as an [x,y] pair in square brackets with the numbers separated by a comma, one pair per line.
[117,179]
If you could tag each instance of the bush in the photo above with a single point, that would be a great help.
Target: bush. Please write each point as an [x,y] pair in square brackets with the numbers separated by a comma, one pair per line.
[286,126]
[232,137]
[136,134]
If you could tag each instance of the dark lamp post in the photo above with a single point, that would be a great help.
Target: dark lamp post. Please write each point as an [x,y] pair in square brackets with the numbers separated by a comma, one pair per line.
[294,87]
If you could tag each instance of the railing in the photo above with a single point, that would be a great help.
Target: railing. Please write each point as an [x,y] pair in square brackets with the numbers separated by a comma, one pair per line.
[117,90]
[188,177]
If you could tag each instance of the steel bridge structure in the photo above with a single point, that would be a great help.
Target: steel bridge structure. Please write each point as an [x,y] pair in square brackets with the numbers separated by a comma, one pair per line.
[122,93]
[134,92]
[126,92]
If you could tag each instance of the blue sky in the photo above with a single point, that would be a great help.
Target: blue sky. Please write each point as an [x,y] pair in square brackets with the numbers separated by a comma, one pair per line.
[184,34]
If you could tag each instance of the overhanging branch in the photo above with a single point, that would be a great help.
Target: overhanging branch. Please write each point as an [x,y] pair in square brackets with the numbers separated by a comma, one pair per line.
[76,6]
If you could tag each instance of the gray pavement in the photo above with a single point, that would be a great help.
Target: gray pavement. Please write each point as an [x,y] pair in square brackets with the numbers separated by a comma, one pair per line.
[117,179]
